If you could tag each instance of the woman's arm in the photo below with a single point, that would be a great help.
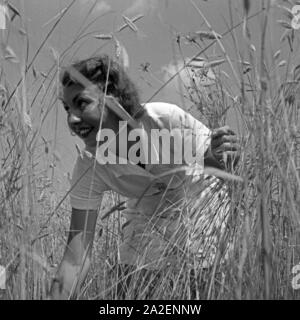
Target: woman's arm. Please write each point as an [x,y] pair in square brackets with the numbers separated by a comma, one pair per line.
[77,257]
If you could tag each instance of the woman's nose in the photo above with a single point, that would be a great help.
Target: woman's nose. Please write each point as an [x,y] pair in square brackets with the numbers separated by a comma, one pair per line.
[73,118]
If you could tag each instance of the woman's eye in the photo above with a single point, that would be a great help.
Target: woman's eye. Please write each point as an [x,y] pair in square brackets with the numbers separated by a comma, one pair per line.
[82,104]
[66,108]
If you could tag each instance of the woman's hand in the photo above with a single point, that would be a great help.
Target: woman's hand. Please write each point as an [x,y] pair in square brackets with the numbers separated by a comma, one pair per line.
[77,257]
[225,147]
[57,292]
[65,280]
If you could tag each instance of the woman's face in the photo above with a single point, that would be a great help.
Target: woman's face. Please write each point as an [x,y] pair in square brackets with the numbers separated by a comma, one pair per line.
[83,106]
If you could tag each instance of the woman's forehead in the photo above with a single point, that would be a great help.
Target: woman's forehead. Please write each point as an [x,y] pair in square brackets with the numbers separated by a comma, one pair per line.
[73,82]
[69,92]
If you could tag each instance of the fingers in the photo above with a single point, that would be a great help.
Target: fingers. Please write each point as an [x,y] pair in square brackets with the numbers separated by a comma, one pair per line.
[225,146]
[228,157]
[228,146]
[224,139]
[222,131]
[223,135]
[232,155]
[56,289]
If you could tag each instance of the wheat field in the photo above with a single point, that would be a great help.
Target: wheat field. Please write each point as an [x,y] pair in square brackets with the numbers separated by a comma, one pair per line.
[257,245]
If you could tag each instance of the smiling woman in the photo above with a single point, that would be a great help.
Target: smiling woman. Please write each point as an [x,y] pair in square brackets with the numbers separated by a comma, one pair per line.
[82,100]
[83,112]
[157,230]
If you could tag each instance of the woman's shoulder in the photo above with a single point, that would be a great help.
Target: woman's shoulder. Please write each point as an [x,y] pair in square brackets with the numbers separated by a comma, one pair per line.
[169,114]
[162,108]
[164,112]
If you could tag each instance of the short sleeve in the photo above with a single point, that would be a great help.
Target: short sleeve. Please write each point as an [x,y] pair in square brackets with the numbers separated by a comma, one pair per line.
[195,136]
[87,187]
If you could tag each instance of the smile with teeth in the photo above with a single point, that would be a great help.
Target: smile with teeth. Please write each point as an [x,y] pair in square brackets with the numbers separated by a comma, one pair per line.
[84,132]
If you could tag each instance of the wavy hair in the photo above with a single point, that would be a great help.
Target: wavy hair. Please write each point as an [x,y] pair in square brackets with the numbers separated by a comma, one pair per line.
[119,84]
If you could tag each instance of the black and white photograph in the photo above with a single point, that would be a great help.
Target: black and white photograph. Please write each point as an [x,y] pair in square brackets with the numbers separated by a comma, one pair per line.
[149,151]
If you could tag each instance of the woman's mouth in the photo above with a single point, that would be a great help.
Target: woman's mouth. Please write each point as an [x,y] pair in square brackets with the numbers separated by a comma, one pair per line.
[84,132]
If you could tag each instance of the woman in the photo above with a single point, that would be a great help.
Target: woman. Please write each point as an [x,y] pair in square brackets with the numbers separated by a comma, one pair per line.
[98,96]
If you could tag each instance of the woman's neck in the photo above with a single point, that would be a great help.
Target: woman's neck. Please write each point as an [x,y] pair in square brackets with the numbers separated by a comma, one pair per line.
[119,129]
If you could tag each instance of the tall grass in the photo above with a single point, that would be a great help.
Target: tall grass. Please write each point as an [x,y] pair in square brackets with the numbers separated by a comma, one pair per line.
[247,232]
